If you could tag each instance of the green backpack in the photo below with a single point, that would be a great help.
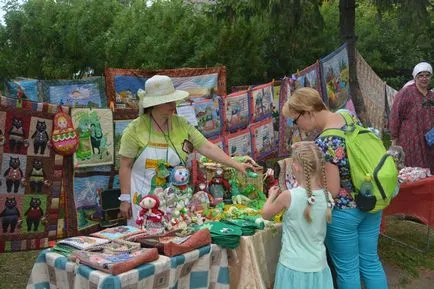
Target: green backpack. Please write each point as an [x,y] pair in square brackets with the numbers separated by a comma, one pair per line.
[367,156]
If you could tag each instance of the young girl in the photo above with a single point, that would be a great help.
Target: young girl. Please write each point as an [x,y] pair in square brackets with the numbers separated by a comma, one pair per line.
[302,262]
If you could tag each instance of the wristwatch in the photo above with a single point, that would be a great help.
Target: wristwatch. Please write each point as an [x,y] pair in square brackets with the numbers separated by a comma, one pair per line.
[125,198]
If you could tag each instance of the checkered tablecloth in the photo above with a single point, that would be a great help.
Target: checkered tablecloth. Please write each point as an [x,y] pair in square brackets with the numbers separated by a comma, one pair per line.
[206,267]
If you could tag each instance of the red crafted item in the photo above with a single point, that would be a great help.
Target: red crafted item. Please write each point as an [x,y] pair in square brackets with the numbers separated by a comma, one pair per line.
[64,137]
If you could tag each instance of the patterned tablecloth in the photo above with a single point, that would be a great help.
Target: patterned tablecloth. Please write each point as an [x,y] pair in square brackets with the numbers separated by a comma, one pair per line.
[206,267]
[253,264]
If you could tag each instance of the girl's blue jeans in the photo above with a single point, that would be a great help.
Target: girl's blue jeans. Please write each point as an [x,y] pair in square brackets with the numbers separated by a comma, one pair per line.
[352,241]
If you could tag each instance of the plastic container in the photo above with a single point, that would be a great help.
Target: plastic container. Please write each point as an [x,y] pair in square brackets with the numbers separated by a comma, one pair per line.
[367,187]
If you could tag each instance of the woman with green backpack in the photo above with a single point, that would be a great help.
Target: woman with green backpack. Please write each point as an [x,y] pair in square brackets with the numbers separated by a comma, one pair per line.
[352,235]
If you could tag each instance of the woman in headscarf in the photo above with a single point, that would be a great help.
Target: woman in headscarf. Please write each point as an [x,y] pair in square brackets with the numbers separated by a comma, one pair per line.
[411,118]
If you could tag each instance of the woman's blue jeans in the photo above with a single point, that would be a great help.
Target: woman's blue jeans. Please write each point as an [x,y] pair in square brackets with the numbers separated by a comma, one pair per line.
[352,241]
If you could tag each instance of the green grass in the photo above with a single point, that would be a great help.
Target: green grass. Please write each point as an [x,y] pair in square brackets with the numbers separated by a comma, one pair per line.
[15,267]
[402,256]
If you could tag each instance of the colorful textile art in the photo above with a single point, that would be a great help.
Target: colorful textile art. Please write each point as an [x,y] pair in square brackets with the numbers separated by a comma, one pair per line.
[30,177]
[87,191]
[122,84]
[120,125]
[262,138]
[309,77]
[373,90]
[209,117]
[237,110]
[284,130]
[288,132]
[335,78]
[262,101]
[95,133]
[87,92]
[239,143]
[29,88]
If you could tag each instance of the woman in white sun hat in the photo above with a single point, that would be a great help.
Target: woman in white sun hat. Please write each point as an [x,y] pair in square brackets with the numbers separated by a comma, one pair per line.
[159,134]
[412,119]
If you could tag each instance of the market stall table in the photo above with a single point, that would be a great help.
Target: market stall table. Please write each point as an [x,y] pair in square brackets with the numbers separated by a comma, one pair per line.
[253,264]
[415,199]
[206,267]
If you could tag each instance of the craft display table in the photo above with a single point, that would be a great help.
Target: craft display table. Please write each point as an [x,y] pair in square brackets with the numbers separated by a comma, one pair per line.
[415,199]
[253,264]
[206,267]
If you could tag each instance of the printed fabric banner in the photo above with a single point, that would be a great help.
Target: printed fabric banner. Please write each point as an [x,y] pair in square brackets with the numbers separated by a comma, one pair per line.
[31,194]
[87,92]
[95,133]
[335,78]
[373,90]
[309,77]
[122,84]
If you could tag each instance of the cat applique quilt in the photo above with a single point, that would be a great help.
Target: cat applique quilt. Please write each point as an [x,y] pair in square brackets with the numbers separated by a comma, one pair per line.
[30,182]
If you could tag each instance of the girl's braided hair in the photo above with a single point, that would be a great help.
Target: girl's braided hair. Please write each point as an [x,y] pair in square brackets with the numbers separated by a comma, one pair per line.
[308,155]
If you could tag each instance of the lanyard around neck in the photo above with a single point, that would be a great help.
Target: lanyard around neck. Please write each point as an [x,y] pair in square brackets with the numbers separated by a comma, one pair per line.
[167,138]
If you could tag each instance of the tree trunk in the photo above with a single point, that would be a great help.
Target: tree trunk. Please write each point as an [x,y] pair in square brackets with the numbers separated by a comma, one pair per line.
[347,23]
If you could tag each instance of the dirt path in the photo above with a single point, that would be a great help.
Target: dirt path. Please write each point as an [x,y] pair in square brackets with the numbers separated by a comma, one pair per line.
[399,279]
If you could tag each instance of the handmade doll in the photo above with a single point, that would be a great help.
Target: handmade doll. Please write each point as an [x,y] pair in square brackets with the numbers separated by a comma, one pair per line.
[150,216]
[200,199]
[179,179]
[219,187]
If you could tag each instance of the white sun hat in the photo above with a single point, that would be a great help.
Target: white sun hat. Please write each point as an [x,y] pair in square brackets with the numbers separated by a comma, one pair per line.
[420,67]
[159,89]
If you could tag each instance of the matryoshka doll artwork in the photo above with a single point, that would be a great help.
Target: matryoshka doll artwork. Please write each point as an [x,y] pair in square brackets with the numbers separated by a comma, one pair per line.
[64,137]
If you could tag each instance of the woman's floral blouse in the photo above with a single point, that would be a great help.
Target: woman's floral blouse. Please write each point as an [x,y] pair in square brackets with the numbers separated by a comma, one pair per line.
[334,150]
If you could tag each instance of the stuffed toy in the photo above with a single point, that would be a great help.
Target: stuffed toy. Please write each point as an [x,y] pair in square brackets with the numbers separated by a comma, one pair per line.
[161,174]
[179,178]
[200,199]
[219,188]
[150,216]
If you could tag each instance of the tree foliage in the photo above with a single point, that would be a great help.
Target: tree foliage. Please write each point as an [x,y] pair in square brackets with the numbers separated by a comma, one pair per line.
[257,40]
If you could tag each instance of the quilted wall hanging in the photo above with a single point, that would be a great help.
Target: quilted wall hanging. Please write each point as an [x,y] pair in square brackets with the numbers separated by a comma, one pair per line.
[119,126]
[262,101]
[209,117]
[88,183]
[30,185]
[122,84]
[239,143]
[288,132]
[95,132]
[335,78]
[309,77]
[237,110]
[284,129]
[262,139]
[26,88]
[87,92]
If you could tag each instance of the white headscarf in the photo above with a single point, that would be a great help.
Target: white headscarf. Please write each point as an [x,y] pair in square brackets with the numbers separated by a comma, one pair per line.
[423,66]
